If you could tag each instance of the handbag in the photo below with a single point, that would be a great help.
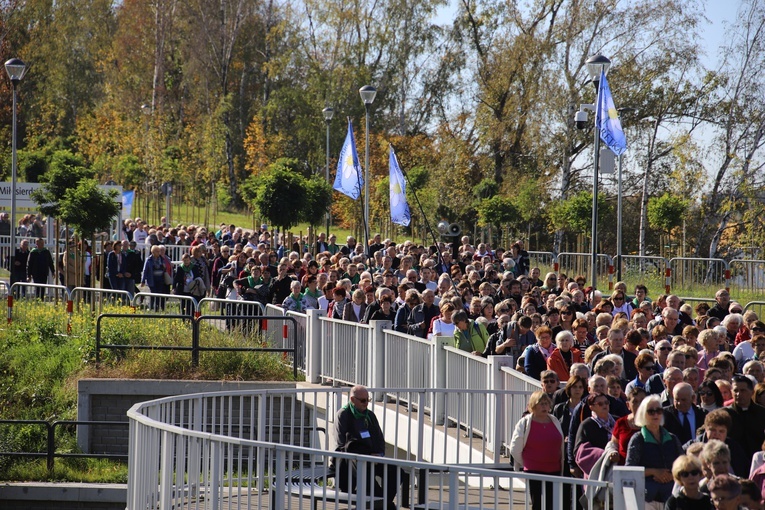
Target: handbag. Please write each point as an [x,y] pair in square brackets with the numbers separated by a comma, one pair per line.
[168,279]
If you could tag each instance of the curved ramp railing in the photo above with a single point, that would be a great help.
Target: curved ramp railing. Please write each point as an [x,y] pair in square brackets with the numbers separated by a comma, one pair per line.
[274,449]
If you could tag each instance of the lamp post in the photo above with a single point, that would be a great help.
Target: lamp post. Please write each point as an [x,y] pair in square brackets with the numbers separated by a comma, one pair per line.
[595,65]
[16,70]
[368,94]
[328,113]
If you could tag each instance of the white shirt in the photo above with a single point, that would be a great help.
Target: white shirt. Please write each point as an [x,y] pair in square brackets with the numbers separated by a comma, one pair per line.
[442,328]
[140,236]
[323,303]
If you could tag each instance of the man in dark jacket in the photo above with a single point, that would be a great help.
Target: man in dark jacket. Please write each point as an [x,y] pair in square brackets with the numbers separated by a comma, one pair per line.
[19,269]
[133,266]
[748,418]
[358,431]
[39,264]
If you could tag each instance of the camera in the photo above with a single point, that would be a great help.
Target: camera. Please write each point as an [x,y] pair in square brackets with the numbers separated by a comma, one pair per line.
[581,120]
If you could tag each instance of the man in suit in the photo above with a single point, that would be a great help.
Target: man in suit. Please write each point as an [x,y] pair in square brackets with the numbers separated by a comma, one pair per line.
[616,346]
[655,384]
[683,418]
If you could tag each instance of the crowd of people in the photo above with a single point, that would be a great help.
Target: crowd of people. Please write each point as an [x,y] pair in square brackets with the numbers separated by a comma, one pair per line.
[625,378]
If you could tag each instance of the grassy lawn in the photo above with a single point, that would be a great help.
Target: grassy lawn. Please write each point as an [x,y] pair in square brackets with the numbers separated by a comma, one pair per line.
[41,364]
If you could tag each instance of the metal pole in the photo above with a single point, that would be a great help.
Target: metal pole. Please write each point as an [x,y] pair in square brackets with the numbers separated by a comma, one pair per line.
[366,186]
[594,248]
[329,210]
[619,222]
[167,206]
[12,254]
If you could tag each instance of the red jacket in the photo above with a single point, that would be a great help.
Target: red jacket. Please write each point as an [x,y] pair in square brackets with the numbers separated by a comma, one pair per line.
[558,364]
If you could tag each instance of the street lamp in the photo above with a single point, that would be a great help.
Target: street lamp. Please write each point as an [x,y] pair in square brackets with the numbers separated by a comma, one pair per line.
[328,113]
[596,65]
[16,70]
[368,94]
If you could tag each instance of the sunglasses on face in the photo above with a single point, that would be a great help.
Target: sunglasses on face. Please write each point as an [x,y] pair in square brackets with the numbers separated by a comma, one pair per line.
[665,348]
[692,472]
[654,411]
[705,393]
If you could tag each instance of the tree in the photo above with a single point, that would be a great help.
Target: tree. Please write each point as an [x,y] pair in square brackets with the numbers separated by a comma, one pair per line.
[498,211]
[575,213]
[279,196]
[88,209]
[317,201]
[65,173]
[666,212]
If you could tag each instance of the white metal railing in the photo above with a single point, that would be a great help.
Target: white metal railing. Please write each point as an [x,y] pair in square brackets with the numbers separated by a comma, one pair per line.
[268,449]
[346,352]
[408,360]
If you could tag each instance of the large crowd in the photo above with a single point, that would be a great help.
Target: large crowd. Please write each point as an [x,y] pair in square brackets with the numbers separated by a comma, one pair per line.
[625,378]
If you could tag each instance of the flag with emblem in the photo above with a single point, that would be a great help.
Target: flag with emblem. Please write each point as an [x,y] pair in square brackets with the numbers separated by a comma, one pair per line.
[399,208]
[607,119]
[348,180]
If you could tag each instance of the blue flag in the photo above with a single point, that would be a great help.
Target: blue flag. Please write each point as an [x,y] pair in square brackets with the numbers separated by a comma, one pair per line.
[607,119]
[348,180]
[399,208]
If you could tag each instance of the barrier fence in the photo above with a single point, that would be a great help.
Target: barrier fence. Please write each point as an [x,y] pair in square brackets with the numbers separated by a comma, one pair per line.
[193,326]
[268,450]
[573,264]
[51,453]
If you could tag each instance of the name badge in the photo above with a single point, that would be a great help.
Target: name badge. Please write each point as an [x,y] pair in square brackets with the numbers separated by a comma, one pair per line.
[365,434]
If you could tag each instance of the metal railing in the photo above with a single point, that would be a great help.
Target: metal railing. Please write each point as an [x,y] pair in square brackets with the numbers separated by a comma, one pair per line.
[195,346]
[51,454]
[345,352]
[747,275]
[573,264]
[692,274]
[265,450]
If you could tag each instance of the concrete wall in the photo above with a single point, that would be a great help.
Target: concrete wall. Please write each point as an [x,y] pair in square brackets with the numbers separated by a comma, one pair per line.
[62,496]
[110,399]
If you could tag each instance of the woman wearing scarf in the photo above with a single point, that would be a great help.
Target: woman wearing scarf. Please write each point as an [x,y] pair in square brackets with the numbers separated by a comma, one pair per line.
[536,355]
[183,282]
[654,448]
[594,433]
[295,302]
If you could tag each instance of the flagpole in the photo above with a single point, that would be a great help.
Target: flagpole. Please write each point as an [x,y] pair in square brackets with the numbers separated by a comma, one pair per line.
[363,216]
[427,224]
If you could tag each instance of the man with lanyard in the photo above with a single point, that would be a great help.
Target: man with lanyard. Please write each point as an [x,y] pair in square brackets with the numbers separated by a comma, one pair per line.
[358,431]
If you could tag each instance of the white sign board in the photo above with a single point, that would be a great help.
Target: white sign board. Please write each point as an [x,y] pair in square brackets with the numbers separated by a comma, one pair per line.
[24,194]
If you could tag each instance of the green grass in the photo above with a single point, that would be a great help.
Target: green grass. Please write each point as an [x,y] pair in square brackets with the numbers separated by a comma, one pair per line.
[68,470]
[41,365]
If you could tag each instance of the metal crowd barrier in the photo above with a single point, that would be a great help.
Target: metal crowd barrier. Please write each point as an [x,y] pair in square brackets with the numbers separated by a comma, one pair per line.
[693,274]
[747,275]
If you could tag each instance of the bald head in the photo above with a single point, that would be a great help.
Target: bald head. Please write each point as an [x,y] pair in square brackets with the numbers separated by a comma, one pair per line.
[682,395]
